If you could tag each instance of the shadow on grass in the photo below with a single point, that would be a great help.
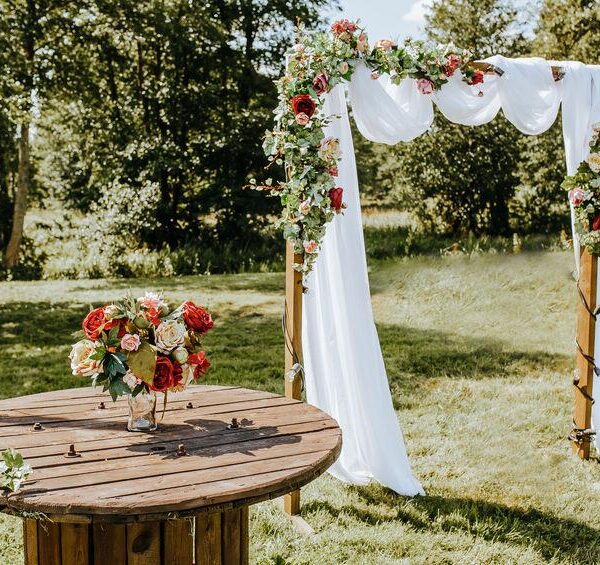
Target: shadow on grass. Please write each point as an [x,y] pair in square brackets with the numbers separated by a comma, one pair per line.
[246,349]
[549,535]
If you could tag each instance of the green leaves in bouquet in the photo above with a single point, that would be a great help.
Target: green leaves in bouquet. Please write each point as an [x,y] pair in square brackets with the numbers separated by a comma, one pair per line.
[13,470]
[142,363]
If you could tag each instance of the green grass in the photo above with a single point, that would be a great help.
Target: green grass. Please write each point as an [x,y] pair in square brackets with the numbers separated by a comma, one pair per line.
[479,351]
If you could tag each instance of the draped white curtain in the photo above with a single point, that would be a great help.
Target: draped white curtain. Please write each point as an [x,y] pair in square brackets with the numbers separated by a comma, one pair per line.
[345,373]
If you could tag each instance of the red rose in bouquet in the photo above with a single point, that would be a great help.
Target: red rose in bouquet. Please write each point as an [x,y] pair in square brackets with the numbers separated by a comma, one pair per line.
[304,104]
[199,363]
[163,374]
[336,196]
[596,223]
[343,26]
[94,323]
[453,63]
[477,78]
[196,318]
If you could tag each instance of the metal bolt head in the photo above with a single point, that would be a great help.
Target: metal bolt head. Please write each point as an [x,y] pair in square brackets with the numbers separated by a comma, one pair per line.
[234,424]
[101,406]
[38,427]
[189,405]
[72,452]
[181,451]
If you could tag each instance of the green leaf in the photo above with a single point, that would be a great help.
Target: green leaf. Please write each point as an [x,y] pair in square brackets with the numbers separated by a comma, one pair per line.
[142,362]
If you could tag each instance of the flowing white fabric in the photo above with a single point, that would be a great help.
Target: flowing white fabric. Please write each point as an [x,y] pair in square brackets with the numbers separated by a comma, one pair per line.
[345,374]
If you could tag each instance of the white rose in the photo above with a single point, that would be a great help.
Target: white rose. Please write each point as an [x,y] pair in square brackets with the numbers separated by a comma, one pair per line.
[180,355]
[169,335]
[594,162]
[81,364]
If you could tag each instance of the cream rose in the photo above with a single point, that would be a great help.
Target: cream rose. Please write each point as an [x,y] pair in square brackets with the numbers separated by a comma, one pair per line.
[594,162]
[169,335]
[81,364]
[180,355]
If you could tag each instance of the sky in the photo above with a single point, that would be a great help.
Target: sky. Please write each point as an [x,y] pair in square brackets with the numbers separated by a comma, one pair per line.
[393,19]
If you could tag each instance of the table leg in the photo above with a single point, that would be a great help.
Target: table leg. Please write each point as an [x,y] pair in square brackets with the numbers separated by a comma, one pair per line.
[221,538]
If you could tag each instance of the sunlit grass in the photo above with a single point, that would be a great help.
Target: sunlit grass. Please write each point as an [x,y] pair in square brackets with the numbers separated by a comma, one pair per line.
[479,353]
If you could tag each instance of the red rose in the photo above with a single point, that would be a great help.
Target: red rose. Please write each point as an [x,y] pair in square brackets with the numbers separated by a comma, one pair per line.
[152,315]
[452,65]
[94,323]
[477,78]
[321,83]
[121,322]
[200,364]
[196,319]
[163,374]
[177,373]
[304,104]
[596,223]
[343,26]
[333,171]
[336,196]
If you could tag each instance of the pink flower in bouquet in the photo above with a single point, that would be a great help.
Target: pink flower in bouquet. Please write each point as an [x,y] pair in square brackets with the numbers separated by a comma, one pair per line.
[152,300]
[311,246]
[163,374]
[321,83]
[375,75]
[453,63]
[477,78]
[305,207]
[336,196]
[343,26]
[425,86]
[196,318]
[130,342]
[362,43]
[302,119]
[199,364]
[385,44]
[333,171]
[576,196]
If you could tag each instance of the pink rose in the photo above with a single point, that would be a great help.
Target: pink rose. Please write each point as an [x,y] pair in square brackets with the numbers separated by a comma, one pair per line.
[152,300]
[321,84]
[343,27]
[425,86]
[375,75]
[130,342]
[302,119]
[576,196]
[362,43]
[344,67]
[385,44]
[333,171]
[311,246]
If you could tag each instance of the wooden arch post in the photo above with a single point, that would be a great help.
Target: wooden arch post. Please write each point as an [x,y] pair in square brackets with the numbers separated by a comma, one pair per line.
[582,433]
[293,345]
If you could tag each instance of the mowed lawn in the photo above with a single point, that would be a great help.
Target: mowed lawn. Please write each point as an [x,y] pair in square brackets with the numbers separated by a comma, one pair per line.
[479,353]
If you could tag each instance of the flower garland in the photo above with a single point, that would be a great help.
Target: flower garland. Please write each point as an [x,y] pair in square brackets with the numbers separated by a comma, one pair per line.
[318,62]
[584,195]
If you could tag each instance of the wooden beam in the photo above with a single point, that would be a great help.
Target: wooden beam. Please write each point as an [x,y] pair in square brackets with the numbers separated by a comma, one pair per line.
[557,72]
[293,345]
[584,372]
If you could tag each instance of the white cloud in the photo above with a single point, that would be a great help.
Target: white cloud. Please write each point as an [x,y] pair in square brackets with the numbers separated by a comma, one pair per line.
[417,12]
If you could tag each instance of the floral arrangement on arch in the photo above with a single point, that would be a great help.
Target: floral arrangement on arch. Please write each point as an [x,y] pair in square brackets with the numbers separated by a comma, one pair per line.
[311,195]
[584,195]
[136,346]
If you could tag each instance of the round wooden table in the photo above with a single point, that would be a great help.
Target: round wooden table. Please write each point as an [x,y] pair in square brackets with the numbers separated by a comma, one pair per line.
[176,496]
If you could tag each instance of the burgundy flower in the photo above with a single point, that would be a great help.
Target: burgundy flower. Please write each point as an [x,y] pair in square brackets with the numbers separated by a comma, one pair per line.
[304,104]
[596,223]
[336,196]
[163,374]
[321,83]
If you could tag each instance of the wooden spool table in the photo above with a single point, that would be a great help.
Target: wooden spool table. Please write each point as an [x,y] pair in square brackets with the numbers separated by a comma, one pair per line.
[130,498]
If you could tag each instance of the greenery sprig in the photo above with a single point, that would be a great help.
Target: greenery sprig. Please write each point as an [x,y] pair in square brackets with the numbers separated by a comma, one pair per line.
[13,470]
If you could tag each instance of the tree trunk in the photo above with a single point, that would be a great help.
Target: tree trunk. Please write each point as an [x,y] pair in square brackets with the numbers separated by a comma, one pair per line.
[11,256]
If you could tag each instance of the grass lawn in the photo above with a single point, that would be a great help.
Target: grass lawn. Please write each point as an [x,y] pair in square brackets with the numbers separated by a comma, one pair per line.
[479,353]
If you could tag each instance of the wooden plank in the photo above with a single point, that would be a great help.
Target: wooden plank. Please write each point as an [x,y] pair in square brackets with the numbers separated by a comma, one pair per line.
[49,543]
[245,535]
[75,544]
[293,343]
[143,543]
[231,537]
[110,544]
[30,541]
[178,542]
[586,331]
[208,539]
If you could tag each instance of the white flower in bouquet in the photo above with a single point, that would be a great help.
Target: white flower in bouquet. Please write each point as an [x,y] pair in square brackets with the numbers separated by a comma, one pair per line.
[180,355]
[131,380]
[81,362]
[594,162]
[169,335]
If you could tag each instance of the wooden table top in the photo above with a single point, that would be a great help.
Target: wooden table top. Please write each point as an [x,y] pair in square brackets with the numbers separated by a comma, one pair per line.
[281,444]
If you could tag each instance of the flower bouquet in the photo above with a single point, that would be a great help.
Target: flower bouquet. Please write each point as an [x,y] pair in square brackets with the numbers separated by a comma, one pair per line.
[584,195]
[140,347]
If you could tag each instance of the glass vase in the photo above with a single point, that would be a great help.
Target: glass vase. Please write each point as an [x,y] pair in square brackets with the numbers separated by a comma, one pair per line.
[142,412]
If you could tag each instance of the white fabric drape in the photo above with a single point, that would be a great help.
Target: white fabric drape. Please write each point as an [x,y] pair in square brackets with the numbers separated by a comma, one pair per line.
[345,374]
